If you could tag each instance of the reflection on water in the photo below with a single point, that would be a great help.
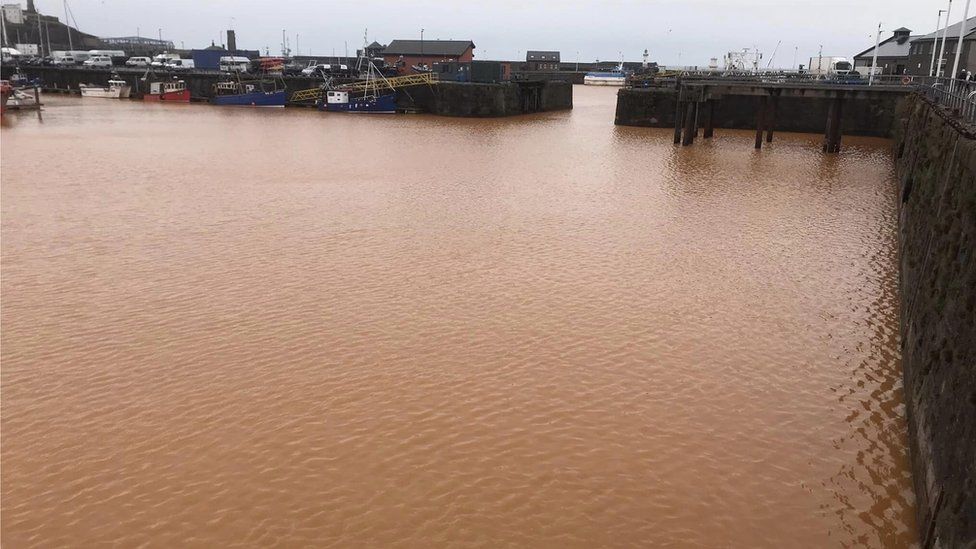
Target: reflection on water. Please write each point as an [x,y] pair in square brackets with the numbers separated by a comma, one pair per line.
[260,327]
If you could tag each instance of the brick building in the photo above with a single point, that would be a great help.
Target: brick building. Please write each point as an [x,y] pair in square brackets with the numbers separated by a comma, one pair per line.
[892,54]
[542,60]
[405,54]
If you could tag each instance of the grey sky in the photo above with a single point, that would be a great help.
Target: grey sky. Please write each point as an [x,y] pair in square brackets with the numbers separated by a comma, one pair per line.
[689,30]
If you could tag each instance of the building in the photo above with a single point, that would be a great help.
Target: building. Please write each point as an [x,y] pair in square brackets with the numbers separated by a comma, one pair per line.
[892,54]
[542,60]
[139,43]
[920,54]
[405,54]
[13,13]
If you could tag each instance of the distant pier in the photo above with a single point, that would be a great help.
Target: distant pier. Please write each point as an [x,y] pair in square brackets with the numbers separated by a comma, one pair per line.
[697,106]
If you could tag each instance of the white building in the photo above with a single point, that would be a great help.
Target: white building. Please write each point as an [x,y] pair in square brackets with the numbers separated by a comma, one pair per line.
[13,13]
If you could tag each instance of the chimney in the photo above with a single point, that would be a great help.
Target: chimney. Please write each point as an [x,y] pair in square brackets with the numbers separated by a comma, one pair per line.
[231,41]
[30,7]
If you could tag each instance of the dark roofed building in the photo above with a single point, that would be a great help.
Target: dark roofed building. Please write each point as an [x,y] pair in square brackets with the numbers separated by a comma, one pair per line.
[542,60]
[408,53]
[921,50]
[892,54]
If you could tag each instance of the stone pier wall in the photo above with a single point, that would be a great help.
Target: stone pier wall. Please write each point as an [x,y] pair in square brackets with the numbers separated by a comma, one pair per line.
[937,226]
[490,100]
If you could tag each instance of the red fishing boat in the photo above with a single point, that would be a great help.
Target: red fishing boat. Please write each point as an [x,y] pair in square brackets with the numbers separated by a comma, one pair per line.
[171,91]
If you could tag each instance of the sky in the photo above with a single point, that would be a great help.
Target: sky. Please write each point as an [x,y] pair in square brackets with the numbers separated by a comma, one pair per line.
[676,32]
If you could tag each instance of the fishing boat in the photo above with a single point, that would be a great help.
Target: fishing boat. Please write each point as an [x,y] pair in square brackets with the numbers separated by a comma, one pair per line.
[174,91]
[614,77]
[344,101]
[116,89]
[374,95]
[256,93]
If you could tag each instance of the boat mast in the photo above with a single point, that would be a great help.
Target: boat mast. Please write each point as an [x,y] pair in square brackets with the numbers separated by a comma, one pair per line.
[71,45]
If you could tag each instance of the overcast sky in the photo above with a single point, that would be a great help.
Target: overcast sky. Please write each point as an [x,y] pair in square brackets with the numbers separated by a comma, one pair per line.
[688,32]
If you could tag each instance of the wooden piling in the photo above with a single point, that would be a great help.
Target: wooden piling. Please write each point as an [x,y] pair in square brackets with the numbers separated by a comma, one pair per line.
[689,131]
[761,120]
[709,119]
[771,118]
[677,123]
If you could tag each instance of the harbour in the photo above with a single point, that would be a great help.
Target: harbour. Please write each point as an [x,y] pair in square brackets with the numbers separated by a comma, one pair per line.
[622,291]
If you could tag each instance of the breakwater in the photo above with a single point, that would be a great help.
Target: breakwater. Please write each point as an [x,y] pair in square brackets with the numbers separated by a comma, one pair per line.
[936,160]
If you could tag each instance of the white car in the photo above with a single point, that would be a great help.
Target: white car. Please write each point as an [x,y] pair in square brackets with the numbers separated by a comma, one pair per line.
[138,62]
[98,61]
[66,61]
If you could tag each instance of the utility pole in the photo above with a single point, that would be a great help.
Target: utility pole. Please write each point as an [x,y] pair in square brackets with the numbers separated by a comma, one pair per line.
[577,61]
[945,34]
[874,58]
[421,44]
[796,52]
[935,44]
[962,35]
[820,60]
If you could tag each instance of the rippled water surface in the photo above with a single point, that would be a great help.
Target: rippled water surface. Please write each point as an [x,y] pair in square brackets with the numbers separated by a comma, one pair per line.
[227,327]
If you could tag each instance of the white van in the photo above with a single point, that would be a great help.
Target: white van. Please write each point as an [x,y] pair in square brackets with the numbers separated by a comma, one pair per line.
[163,58]
[180,64]
[138,62]
[235,64]
[98,61]
[65,60]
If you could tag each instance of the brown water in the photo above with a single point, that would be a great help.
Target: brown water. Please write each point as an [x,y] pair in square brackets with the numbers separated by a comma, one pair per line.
[227,327]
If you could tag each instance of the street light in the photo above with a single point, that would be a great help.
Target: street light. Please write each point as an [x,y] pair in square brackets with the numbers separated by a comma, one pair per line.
[962,36]
[935,44]
[945,35]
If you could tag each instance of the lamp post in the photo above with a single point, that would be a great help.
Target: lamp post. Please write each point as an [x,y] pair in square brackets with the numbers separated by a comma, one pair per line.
[421,45]
[962,35]
[935,44]
[945,35]
[874,58]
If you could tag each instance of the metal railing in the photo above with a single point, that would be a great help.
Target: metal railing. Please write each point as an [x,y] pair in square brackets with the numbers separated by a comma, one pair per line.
[958,96]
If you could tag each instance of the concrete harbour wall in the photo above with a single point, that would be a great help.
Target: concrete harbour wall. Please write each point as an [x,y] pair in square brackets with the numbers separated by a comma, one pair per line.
[936,163]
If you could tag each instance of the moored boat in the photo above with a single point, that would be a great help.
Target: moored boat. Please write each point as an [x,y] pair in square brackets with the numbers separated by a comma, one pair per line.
[616,77]
[373,95]
[174,91]
[116,89]
[343,101]
[258,93]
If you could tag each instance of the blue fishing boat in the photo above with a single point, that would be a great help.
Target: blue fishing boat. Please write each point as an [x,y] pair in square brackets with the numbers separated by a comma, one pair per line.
[373,95]
[344,101]
[258,93]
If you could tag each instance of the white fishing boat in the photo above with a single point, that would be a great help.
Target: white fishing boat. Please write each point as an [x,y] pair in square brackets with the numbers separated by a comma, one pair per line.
[615,77]
[116,89]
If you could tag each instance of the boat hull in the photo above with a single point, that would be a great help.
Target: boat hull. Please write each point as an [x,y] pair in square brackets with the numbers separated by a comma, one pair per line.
[604,81]
[169,97]
[254,99]
[119,92]
[384,104]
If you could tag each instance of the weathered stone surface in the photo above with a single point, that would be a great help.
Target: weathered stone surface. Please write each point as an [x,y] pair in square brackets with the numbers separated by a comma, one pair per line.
[492,100]
[937,227]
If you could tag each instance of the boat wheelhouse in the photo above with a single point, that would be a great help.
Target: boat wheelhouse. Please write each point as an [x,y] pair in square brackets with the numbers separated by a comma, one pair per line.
[174,91]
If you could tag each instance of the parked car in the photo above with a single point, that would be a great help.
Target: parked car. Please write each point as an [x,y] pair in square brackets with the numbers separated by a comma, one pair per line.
[138,62]
[180,64]
[98,61]
[65,61]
